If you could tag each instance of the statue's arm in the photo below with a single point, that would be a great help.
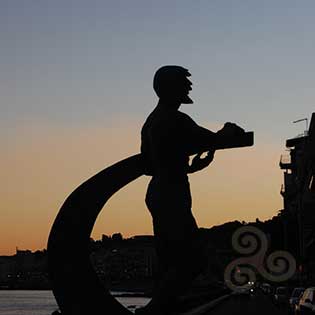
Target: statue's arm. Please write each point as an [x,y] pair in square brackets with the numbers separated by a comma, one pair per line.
[200,139]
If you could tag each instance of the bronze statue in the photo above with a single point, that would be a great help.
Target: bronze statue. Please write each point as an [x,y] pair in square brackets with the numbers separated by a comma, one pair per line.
[169,137]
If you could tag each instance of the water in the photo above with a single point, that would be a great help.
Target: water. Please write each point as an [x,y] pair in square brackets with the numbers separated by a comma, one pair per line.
[43,302]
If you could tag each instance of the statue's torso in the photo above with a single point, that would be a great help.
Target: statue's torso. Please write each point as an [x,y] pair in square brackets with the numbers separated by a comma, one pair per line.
[163,146]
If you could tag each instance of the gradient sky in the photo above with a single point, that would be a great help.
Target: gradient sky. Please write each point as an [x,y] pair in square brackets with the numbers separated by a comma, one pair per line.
[76,79]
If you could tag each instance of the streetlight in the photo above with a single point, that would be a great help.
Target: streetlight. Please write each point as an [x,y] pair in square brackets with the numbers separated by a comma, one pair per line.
[306,121]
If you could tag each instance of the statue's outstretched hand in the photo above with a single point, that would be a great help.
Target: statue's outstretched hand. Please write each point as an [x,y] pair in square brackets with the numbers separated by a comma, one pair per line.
[230,129]
[198,163]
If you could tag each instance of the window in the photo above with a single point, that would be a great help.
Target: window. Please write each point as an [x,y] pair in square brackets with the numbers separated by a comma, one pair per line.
[297,292]
[308,294]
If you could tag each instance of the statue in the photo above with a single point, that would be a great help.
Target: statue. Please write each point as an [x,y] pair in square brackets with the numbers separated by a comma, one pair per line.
[169,137]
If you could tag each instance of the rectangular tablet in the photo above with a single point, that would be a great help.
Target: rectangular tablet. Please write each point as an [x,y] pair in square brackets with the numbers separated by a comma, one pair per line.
[246,140]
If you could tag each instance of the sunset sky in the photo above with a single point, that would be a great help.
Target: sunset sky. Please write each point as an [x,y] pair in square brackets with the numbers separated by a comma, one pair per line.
[76,87]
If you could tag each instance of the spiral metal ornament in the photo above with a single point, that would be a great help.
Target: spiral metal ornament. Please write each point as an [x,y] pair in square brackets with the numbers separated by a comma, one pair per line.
[250,241]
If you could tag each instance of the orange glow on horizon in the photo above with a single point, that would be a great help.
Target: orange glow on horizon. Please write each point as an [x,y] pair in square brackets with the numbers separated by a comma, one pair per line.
[46,162]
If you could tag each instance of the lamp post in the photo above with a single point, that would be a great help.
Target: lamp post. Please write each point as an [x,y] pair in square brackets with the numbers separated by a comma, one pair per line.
[306,121]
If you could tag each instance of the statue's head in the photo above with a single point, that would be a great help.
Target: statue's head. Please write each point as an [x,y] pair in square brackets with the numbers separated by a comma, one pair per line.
[171,84]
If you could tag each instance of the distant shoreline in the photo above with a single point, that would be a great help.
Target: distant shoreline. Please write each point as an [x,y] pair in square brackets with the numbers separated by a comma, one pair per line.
[123,293]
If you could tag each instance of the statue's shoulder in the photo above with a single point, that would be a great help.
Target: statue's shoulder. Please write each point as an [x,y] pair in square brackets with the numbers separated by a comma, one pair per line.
[185,119]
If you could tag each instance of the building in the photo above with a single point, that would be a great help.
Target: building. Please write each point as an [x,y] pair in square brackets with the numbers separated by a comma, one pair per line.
[298,192]
[123,260]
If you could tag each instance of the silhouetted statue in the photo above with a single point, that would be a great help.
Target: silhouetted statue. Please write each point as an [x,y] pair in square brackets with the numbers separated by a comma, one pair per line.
[169,137]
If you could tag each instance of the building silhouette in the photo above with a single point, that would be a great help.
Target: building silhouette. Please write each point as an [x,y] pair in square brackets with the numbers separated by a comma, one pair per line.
[298,192]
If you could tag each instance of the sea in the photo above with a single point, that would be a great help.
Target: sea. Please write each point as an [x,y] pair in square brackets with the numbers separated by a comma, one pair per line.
[20,302]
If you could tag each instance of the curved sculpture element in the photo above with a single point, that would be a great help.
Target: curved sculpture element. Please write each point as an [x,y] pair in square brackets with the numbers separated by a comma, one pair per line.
[75,284]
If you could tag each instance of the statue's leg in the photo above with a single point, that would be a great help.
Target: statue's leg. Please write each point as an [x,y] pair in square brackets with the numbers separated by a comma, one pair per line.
[181,259]
[175,282]
[177,241]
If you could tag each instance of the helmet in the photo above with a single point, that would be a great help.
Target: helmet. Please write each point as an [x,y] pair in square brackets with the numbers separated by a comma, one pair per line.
[171,83]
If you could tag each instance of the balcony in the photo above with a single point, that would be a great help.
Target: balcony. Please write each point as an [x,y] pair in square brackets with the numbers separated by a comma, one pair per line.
[298,140]
[285,162]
